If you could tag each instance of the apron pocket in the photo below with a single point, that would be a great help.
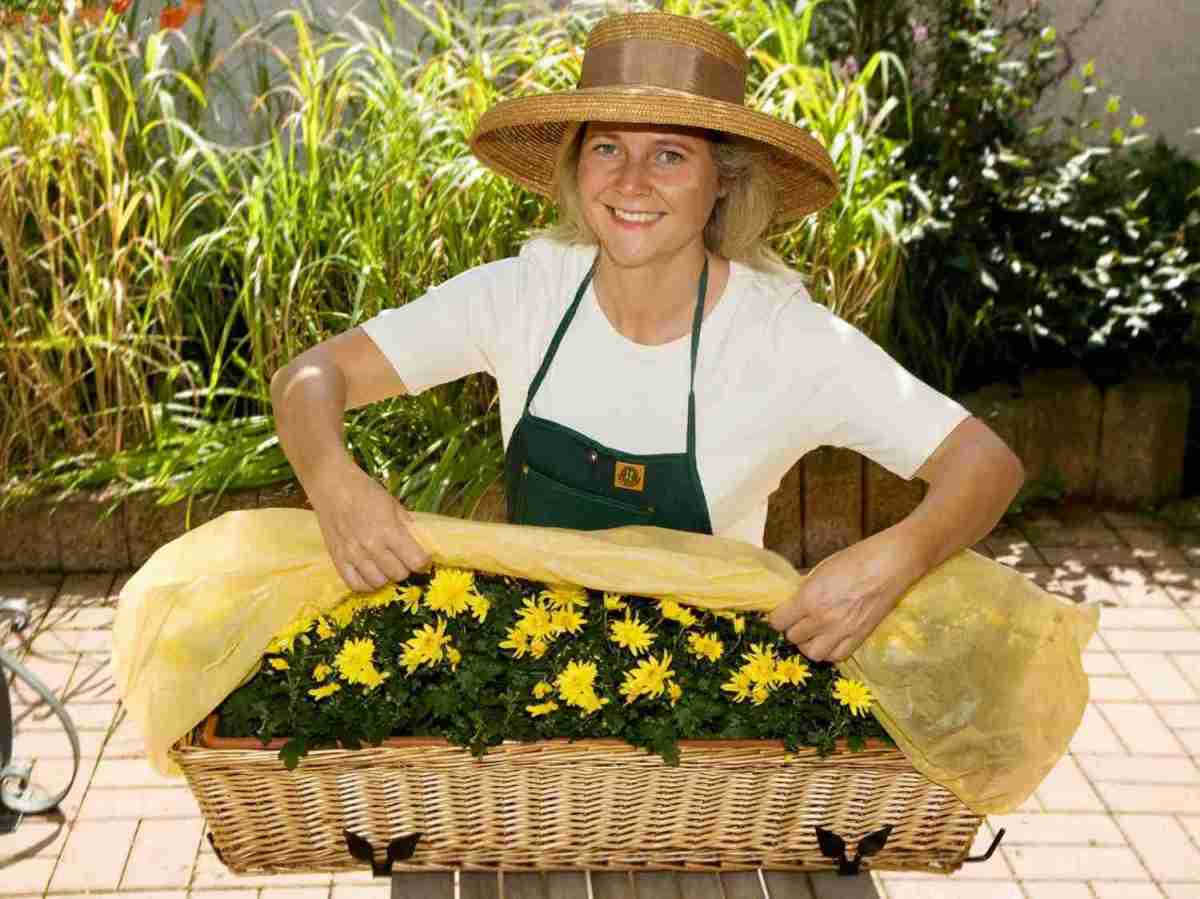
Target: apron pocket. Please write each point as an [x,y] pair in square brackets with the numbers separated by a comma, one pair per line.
[548,502]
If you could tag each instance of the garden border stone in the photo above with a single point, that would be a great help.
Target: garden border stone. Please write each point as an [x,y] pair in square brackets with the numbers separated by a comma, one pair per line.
[1124,445]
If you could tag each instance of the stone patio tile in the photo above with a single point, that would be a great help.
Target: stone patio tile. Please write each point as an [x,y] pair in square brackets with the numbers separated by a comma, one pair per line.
[1189,666]
[300,892]
[37,836]
[948,889]
[1139,728]
[1088,535]
[1093,829]
[163,854]
[68,642]
[1139,769]
[1190,740]
[1163,846]
[1180,716]
[1101,663]
[1113,689]
[135,773]
[84,715]
[92,681]
[139,804]
[1152,619]
[1182,890]
[94,856]
[1057,889]
[28,876]
[56,744]
[1014,551]
[1158,675]
[211,872]
[141,894]
[1088,556]
[1153,641]
[1065,789]
[1126,890]
[54,672]
[1095,734]
[52,775]
[380,890]
[1156,799]
[1136,587]
[1079,863]
[1083,585]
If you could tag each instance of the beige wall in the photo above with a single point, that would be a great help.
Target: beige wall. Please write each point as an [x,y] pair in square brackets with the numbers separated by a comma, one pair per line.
[1147,52]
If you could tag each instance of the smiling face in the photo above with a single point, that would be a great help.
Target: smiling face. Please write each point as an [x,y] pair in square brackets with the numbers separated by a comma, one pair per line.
[647,191]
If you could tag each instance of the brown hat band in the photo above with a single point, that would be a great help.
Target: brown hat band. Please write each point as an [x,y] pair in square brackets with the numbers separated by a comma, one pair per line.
[662,64]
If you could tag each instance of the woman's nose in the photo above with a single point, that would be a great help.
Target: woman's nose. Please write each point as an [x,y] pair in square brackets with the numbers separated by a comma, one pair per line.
[633,177]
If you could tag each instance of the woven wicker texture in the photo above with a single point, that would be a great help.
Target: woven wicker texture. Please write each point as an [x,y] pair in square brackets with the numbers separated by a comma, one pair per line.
[597,804]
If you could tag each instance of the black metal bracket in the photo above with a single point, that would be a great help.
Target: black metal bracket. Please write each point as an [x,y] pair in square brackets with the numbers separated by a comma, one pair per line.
[398,850]
[991,849]
[834,847]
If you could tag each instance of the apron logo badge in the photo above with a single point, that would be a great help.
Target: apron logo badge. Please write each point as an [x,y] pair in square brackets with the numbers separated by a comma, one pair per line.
[629,476]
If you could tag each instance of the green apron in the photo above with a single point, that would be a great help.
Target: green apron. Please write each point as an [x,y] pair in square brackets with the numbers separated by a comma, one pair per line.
[555,476]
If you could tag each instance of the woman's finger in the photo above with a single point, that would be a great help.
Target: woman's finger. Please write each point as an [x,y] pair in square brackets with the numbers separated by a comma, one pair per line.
[370,573]
[391,564]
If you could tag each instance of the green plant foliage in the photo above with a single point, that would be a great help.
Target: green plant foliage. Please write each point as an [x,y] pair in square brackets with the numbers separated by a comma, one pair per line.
[489,692]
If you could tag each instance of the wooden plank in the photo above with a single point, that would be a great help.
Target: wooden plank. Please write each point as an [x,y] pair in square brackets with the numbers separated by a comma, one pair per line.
[697,885]
[657,885]
[527,885]
[566,885]
[743,885]
[478,885]
[789,885]
[612,885]
[423,885]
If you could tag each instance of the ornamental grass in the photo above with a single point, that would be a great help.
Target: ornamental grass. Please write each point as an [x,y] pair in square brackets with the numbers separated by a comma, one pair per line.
[478,659]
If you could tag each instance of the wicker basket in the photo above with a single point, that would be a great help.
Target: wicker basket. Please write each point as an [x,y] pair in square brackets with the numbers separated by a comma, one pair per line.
[555,805]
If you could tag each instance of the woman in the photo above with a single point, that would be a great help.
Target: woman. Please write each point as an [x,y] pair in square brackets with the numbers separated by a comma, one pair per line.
[656,364]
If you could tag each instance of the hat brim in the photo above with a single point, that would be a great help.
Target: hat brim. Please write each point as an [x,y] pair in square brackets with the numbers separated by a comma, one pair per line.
[520,138]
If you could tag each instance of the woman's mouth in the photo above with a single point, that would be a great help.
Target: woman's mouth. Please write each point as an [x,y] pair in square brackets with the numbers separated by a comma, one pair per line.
[631,218]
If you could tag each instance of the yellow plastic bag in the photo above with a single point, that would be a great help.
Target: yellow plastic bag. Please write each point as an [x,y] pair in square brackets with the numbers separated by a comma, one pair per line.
[977,672]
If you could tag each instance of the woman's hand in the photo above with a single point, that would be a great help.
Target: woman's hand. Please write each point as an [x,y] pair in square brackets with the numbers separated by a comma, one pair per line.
[365,529]
[846,596]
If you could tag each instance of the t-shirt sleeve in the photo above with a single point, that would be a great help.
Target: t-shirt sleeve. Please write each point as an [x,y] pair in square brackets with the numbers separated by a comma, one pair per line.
[866,401]
[458,328]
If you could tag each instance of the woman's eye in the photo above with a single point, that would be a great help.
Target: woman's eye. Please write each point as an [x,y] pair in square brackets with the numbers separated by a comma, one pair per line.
[604,149]
[670,157]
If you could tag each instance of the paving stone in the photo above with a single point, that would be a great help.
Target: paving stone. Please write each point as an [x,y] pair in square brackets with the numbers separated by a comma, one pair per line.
[1139,769]
[1153,641]
[135,773]
[163,854]
[1189,666]
[1066,789]
[1101,663]
[377,890]
[1135,587]
[1094,733]
[1163,845]
[1179,715]
[1084,586]
[210,873]
[94,856]
[29,876]
[1099,862]
[1057,889]
[1153,798]
[1142,442]
[37,836]
[138,804]
[1126,889]
[1044,829]
[92,680]
[1089,556]
[1182,890]
[1158,675]
[1014,552]
[950,889]
[53,775]
[1112,689]
[1152,619]
[1139,728]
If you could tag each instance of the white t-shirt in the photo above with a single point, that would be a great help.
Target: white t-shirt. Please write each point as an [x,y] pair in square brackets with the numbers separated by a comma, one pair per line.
[777,375]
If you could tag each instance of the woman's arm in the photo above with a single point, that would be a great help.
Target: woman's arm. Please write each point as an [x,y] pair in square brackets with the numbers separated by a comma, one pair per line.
[363,525]
[973,476]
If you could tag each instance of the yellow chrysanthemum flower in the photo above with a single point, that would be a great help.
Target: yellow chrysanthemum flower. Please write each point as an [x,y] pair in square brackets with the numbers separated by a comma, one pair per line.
[536,619]
[576,685]
[410,596]
[760,693]
[649,678]
[538,647]
[614,602]
[565,596]
[449,591]
[355,661]
[518,641]
[740,685]
[739,624]
[280,664]
[853,694]
[426,646]
[674,691]
[480,607]
[761,662]
[343,613]
[324,631]
[542,689]
[321,672]
[327,690]
[675,612]
[454,656]
[631,634]
[285,640]
[544,708]
[381,598]
[706,646]
[792,671]
[567,621]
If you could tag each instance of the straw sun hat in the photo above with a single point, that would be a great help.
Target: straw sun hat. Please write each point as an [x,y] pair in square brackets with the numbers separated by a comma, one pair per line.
[664,69]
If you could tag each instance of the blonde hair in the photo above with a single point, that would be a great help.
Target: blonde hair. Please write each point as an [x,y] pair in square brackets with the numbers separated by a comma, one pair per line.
[738,221]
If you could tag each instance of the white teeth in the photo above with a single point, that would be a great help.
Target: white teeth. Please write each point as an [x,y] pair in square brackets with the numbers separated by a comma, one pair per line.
[635,216]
